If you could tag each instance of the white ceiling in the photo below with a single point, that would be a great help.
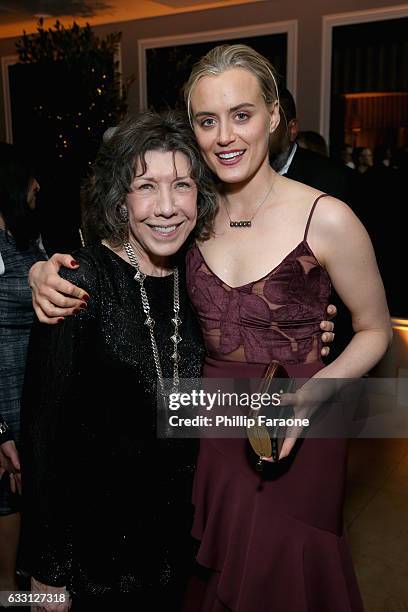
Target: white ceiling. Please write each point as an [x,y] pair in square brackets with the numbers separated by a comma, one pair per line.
[19,15]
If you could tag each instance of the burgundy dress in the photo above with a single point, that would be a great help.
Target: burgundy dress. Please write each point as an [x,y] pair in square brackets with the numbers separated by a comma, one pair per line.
[273,542]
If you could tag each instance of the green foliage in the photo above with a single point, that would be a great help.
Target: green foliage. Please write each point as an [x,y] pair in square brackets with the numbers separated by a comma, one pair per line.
[76,90]
[82,52]
[68,44]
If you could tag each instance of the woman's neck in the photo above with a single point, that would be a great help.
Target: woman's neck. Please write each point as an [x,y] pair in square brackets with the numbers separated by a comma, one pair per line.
[242,197]
[149,264]
[2,224]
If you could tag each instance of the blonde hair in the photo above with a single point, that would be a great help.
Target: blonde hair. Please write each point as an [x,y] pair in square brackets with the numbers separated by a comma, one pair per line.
[225,57]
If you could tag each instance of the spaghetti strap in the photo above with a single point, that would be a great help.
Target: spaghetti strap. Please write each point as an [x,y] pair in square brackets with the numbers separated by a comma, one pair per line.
[322,195]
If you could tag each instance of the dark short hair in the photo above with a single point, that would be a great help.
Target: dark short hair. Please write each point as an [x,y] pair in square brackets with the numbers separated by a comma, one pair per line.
[115,167]
[16,176]
[314,142]
[287,104]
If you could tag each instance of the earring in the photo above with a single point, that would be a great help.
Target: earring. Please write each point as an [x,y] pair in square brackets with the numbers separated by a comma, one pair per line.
[123,214]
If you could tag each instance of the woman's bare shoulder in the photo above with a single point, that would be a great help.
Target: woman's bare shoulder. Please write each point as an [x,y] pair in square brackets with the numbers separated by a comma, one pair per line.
[334,216]
[298,195]
[329,211]
[295,190]
[333,221]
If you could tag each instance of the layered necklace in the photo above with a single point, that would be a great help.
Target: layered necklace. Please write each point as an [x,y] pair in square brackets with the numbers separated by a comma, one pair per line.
[150,323]
[247,222]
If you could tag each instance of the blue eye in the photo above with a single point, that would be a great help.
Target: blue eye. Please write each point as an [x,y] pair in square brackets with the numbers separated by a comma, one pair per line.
[208,122]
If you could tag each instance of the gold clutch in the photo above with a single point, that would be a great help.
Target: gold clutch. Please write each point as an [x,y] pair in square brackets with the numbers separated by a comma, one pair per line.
[264,443]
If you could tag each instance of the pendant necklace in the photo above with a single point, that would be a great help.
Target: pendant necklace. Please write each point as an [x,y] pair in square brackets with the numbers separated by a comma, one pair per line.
[248,222]
[150,323]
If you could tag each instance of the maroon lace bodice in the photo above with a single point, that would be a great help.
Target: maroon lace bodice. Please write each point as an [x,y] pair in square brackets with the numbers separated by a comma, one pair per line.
[275,317]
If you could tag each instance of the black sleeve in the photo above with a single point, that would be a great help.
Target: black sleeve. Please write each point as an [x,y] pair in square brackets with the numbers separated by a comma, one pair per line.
[51,405]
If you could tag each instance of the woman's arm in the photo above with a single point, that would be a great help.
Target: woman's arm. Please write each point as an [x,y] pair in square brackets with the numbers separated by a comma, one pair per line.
[53,296]
[9,460]
[344,248]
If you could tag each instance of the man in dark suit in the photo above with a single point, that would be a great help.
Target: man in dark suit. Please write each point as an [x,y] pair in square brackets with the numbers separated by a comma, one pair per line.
[317,171]
[305,166]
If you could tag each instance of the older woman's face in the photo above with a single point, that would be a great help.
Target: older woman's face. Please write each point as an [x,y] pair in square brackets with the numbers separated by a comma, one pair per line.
[162,205]
[232,124]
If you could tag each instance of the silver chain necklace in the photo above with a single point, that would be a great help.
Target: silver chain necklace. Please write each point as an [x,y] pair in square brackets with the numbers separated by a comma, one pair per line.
[150,323]
[247,222]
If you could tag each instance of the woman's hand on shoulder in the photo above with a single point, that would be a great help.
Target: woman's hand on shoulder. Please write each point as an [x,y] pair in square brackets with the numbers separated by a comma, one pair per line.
[54,297]
[327,328]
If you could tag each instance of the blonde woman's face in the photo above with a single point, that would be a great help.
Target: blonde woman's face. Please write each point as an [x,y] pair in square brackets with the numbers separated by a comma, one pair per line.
[232,124]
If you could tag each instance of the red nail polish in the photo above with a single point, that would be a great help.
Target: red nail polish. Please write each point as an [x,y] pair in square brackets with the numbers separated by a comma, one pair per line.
[74,263]
[76,310]
[85,297]
[82,305]
[60,319]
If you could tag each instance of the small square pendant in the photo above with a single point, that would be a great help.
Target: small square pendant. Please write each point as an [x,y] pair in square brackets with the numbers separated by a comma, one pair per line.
[240,223]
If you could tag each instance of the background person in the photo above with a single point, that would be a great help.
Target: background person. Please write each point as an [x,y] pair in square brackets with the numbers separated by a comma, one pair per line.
[313,141]
[305,166]
[346,156]
[19,249]
[363,159]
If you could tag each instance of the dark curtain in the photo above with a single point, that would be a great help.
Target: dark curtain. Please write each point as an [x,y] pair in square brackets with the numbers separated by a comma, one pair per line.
[369,58]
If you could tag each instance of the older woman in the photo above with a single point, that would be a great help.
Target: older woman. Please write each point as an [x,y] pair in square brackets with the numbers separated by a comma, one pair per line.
[107,506]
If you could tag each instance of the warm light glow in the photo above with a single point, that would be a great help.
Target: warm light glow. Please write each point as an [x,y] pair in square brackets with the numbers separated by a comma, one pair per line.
[370,118]
[400,324]
[117,10]
[374,94]
[400,327]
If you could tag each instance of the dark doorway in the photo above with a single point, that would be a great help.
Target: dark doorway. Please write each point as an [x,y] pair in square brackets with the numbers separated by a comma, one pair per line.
[369,88]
